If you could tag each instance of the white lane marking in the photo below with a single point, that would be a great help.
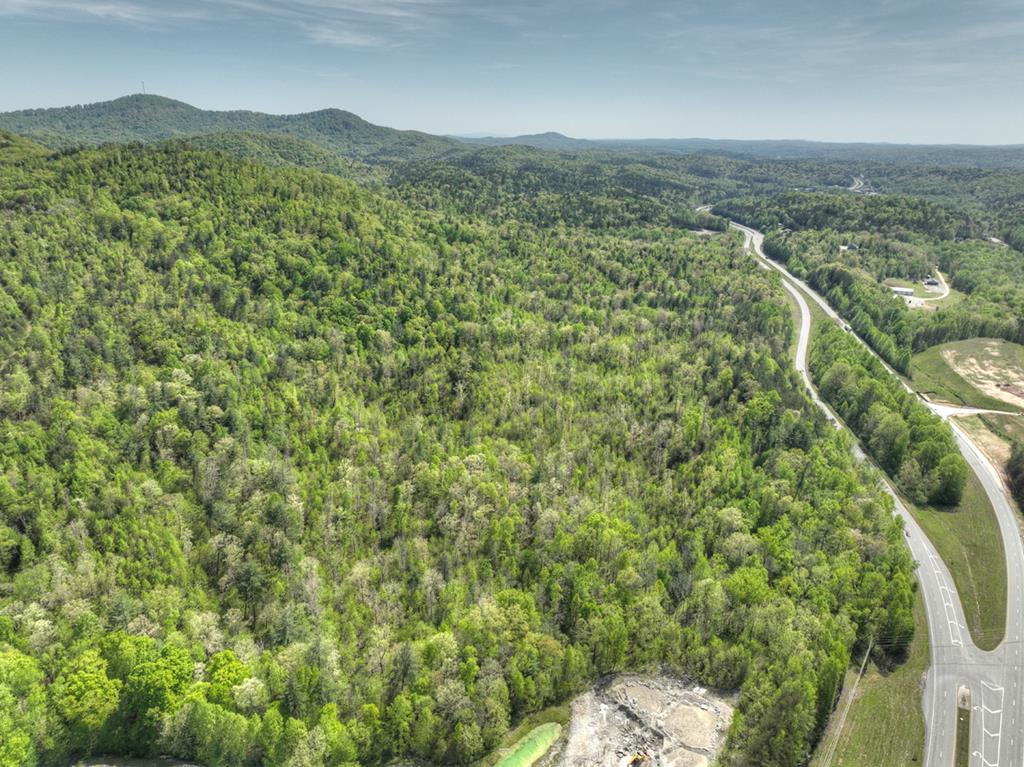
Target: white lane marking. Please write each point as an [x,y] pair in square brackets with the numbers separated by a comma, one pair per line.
[955,637]
[996,715]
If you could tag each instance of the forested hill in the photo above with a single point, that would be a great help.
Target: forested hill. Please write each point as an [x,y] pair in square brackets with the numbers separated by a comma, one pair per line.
[14,148]
[154,118]
[282,150]
[294,473]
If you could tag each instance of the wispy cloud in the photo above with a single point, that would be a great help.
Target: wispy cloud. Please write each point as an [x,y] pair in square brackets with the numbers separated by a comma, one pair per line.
[109,10]
[348,23]
[819,37]
[994,30]
[344,36]
[368,23]
[873,44]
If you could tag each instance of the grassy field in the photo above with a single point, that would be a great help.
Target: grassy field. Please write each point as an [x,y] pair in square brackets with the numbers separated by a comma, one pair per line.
[934,376]
[890,696]
[817,313]
[951,298]
[519,743]
[1007,427]
[919,290]
[963,737]
[969,542]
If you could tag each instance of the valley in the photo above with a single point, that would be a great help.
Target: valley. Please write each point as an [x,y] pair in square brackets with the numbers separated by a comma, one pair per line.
[331,444]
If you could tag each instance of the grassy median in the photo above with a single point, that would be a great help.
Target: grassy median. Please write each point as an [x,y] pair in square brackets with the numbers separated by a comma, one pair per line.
[963,737]
[969,542]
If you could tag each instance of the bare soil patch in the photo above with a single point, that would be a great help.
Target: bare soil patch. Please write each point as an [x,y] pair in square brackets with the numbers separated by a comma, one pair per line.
[668,722]
[995,448]
[989,370]
[921,303]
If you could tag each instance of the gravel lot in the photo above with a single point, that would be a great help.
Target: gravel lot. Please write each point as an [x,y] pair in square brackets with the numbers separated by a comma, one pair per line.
[671,722]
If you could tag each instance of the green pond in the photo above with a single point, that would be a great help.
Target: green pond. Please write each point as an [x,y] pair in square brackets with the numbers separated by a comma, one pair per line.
[532,747]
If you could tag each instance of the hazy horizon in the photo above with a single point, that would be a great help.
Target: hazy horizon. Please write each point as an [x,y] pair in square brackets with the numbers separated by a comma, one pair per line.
[900,72]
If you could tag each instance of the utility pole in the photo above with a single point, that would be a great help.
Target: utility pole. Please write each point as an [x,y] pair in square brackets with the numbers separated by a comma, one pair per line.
[830,750]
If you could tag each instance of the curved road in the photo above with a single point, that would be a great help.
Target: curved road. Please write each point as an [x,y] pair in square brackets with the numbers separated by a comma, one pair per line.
[943,293]
[995,679]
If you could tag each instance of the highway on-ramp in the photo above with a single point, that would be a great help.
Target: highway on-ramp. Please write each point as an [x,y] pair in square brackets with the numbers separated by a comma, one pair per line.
[995,680]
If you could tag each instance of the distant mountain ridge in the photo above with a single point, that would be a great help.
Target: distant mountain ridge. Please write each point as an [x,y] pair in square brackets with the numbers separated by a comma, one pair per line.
[1010,155]
[147,118]
[150,118]
[547,140]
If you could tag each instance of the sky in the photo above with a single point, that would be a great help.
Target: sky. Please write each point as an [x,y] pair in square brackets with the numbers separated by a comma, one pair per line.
[909,71]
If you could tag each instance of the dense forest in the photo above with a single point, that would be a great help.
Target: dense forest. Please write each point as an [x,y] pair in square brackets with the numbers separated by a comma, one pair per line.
[892,215]
[908,441]
[993,196]
[1015,472]
[280,150]
[297,471]
[547,189]
[328,444]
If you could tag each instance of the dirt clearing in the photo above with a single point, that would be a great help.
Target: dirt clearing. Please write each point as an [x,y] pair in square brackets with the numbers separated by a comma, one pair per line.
[994,367]
[996,448]
[668,721]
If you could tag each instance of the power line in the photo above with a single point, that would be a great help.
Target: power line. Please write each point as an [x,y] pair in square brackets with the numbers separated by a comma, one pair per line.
[834,743]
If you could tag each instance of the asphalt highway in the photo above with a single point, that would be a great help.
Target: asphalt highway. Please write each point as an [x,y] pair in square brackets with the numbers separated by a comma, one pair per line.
[993,681]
